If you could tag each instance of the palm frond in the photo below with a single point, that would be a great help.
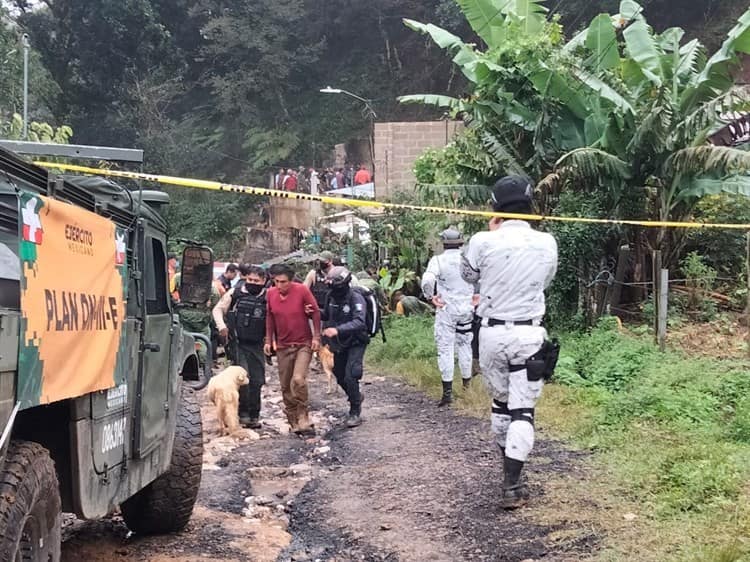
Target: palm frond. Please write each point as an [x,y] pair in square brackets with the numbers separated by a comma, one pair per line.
[592,166]
[708,160]
[501,152]
[701,187]
[706,119]
[692,59]
[653,131]
[715,76]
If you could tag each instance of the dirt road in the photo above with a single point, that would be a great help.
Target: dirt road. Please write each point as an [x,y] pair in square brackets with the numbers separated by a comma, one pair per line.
[413,483]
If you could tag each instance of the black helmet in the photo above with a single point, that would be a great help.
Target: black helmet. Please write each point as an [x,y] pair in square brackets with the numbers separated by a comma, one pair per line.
[451,238]
[338,276]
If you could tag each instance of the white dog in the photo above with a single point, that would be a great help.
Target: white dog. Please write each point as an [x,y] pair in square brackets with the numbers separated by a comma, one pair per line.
[223,391]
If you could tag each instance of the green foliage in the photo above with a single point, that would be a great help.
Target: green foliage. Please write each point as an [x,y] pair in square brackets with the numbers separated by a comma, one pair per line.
[38,132]
[700,280]
[217,219]
[408,338]
[739,427]
[622,119]
[581,251]
[697,410]
[730,261]
[42,89]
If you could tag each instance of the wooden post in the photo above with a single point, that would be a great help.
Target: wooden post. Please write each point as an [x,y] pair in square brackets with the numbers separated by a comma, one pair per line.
[663,305]
[655,272]
[623,260]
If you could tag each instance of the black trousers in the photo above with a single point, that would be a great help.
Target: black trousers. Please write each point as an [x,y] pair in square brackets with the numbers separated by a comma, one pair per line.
[250,357]
[348,367]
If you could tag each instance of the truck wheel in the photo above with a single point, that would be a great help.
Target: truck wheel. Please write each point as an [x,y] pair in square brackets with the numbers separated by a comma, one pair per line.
[165,505]
[29,505]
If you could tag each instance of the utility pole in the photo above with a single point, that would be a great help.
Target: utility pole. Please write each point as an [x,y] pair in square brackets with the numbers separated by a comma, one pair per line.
[26,45]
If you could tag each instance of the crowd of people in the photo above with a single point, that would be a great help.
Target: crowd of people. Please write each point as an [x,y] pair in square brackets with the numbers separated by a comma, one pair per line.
[310,180]
[274,313]
[488,298]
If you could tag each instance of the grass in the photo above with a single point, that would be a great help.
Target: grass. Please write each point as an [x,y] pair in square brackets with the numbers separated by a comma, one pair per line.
[669,436]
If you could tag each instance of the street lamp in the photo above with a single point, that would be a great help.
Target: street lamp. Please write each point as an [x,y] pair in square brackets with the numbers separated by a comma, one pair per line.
[371,115]
[26,44]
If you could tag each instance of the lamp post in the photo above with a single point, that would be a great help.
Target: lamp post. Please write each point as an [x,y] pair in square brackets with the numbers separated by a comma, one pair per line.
[371,115]
[26,44]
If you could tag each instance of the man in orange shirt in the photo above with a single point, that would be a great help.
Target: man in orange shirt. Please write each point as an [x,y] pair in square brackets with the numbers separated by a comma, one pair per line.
[362,176]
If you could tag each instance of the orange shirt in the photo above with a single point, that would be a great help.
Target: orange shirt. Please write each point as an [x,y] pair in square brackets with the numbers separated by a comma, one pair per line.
[361,177]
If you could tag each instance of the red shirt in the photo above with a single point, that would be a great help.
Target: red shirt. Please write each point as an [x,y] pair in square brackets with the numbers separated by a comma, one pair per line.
[362,177]
[290,183]
[286,321]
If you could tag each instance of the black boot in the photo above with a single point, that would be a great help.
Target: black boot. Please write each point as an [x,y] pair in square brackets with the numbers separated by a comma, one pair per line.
[447,394]
[515,492]
[466,383]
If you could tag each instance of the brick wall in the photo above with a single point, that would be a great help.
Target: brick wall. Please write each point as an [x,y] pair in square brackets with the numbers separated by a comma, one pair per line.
[397,146]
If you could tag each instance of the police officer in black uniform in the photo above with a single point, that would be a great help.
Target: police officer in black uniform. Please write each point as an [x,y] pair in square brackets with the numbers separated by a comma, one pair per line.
[345,332]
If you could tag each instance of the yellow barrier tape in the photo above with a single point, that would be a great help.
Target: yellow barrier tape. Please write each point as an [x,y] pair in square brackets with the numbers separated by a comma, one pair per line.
[267,192]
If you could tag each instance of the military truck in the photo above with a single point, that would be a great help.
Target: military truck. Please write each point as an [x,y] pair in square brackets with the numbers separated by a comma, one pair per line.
[97,377]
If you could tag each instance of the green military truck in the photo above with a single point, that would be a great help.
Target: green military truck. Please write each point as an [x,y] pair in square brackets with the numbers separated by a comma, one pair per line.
[97,377]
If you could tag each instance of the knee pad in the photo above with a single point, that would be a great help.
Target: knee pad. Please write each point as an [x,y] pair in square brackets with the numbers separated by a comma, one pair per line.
[500,408]
[500,422]
[521,414]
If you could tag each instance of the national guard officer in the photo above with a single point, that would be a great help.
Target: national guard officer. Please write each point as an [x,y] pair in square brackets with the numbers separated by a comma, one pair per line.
[454,312]
[513,264]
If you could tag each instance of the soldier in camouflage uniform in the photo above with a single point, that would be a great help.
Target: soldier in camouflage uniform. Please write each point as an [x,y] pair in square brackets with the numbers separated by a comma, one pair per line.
[197,318]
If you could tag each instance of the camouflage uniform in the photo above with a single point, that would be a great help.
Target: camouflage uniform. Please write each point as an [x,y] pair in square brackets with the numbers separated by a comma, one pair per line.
[198,318]
[453,322]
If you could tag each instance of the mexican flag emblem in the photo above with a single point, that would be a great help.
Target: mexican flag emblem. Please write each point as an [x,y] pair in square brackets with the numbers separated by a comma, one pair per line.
[32,225]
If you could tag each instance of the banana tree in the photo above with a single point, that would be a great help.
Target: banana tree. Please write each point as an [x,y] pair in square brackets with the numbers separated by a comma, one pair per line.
[532,97]
[657,145]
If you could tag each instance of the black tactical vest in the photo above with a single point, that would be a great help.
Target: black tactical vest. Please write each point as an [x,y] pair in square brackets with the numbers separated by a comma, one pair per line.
[249,315]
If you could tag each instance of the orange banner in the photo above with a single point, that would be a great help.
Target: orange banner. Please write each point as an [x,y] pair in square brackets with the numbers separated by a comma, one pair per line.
[73,302]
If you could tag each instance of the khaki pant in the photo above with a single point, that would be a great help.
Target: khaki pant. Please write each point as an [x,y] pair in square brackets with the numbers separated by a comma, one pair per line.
[294,363]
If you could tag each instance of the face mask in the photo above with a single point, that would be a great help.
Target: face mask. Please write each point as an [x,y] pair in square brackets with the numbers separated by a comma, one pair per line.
[254,289]
[339,290]
[324,267]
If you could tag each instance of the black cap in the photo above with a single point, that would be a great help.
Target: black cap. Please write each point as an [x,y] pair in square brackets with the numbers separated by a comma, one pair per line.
[511,190]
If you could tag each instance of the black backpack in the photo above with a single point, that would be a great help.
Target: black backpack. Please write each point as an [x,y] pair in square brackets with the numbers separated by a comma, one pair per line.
[248,315]
[373,316]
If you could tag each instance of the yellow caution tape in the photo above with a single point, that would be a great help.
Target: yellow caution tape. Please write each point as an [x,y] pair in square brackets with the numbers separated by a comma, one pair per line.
[267,192]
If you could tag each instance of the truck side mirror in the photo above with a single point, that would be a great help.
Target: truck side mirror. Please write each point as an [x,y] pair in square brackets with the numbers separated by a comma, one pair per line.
[196,274]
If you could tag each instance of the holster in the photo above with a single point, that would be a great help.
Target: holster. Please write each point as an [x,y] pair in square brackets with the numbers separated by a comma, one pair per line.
[542,364]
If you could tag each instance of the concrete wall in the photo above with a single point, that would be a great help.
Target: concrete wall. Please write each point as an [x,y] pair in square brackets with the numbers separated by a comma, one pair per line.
[397,146]
[294,213]
[266,243]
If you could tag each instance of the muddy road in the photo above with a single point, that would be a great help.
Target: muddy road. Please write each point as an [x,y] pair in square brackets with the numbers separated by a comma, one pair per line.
[412,483]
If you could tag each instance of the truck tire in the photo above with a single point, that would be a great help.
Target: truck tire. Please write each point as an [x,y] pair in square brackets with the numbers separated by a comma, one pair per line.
[29,505]
[165,505]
